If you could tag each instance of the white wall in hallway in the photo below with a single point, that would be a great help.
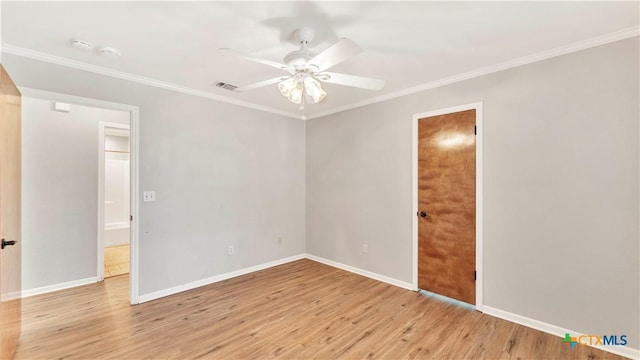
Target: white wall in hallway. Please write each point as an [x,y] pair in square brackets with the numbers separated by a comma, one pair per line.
[117,184]
[60,191]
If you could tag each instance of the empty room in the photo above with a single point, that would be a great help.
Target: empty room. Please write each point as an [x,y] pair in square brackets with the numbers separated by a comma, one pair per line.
[315,179]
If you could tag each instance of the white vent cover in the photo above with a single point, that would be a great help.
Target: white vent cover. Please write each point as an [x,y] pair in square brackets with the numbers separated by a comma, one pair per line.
[224,85]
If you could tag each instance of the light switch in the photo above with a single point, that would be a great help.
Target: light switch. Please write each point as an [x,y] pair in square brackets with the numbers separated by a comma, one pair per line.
[149,196]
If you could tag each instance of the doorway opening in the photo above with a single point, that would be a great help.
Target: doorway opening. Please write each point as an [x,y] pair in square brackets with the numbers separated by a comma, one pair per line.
[126,118]
[115,186]
[447,203]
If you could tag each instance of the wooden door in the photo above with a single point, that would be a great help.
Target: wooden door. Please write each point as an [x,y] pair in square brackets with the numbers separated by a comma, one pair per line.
[447,205]
[10,219]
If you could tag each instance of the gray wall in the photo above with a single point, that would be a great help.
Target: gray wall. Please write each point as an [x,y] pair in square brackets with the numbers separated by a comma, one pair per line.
[223,175]
[560,197]
[60,191]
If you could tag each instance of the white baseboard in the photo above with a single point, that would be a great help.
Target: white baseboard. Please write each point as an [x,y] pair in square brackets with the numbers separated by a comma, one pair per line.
[369,274]
[518,319]
[557,331]
[56,287]
[213,279]
[210,280]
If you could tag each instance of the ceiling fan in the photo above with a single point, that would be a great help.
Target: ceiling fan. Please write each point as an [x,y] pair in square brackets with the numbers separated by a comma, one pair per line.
[307,69]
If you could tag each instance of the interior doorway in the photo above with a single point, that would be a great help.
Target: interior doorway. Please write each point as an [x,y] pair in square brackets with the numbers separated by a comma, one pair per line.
[447,203]
[132,116]
[115,187]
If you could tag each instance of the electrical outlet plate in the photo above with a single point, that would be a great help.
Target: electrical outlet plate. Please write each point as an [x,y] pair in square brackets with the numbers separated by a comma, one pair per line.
[149,196]
[365,248]
[230,250]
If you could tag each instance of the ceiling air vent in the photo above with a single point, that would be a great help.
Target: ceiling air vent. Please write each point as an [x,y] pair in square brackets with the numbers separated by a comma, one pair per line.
[224,85]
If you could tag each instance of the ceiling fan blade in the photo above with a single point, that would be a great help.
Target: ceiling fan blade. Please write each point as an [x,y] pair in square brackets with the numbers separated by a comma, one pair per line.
[335,54]
[267,62]
[261,84]
[352,80]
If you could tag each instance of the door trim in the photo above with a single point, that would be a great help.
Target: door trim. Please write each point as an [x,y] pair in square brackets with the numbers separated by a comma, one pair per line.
[134,136]
[102,126]
[479,187]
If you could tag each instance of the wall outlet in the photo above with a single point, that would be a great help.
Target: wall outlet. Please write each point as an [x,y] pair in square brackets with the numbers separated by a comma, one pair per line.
[230,250]
[365,248]
[149,196]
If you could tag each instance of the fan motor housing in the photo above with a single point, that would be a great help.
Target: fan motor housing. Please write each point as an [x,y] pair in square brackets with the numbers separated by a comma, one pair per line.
[304,34]
[298,58]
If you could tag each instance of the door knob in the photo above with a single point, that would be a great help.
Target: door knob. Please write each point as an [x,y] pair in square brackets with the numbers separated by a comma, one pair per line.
[423,214]
[7,243]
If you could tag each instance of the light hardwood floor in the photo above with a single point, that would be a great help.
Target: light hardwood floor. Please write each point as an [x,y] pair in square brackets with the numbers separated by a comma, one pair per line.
[116,260]
[300,310]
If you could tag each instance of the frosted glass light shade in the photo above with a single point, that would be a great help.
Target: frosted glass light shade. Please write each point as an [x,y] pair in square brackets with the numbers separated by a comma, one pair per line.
[292,89]
[296,94]
[312,88]
[287,85]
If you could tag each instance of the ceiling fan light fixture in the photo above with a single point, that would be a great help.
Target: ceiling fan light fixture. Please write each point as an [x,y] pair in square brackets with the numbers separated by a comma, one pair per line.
[287,85]
[296,94]
[313,88]
[292,88]
[307,69]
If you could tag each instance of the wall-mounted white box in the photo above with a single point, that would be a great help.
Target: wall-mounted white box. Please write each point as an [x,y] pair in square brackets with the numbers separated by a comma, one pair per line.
[63,107]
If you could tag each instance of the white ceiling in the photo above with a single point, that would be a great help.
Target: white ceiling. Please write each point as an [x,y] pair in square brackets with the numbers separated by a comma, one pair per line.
[406,43]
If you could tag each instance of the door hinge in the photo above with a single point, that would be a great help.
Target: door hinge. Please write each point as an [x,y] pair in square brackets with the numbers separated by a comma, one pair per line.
[131,217]
[475,275]
[475,130]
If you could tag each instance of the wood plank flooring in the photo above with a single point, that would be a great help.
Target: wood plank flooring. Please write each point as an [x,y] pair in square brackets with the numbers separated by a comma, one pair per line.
[300,310]
[116,260]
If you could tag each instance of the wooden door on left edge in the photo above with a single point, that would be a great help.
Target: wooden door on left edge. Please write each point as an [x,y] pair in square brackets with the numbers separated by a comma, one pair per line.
[10,217]
[447,205]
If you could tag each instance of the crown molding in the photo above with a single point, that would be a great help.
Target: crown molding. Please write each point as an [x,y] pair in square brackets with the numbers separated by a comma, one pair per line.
[544,55]
[36,55]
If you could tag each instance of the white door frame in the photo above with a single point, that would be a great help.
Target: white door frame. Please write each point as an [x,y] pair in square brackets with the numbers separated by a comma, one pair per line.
[479,186]
[134,137]
[102,127]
